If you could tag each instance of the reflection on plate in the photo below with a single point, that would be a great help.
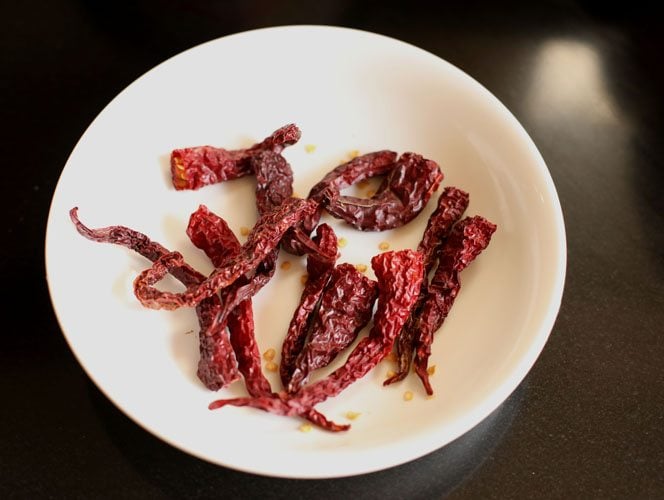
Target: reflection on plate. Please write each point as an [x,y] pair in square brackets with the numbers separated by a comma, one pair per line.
[347,90]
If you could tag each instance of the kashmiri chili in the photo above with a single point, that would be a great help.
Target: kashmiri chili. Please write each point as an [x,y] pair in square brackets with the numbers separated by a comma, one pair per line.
[217,366]
[193,168]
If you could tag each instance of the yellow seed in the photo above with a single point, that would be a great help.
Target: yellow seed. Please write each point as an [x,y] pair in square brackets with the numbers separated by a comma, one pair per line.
[271,366]
[304,278]
[383,245]
[310,148]
[244,230]
[431,396]
[370,193]
[296,195]
[285,265]
[407,396]
[353,154]
[390,374]
[306,428]
[431,370]
[269,354]
[352,415]
[361,267]
[391,356]
[363,183]
[179,164]
[342,242]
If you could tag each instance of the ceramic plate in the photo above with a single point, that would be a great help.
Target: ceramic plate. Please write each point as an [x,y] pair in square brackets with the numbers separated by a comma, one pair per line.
[348,91]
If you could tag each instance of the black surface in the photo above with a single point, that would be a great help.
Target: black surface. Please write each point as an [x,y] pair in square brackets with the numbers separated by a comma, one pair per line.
[587,421]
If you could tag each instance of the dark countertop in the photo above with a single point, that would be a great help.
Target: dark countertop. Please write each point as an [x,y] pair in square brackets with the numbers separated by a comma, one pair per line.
[588,420]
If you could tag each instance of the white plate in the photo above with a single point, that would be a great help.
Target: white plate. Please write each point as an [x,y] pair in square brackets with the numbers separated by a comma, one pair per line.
[347,90]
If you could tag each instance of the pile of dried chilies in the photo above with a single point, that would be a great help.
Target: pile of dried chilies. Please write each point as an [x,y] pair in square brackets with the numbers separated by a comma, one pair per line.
[337,301]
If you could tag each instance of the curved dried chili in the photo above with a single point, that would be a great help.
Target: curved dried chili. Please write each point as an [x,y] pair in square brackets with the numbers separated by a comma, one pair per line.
[263,239]
[217,366]
[401,196]
[465,242]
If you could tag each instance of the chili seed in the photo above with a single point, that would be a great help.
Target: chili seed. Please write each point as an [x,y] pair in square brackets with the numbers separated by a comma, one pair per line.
[361,267]
[383,245]
[244,230]
[431,370]
[271,366]
[304,278]
[352,415]
[342,242]
[285,265]
[269,354]
[370,193]
[306,428]
[390,374]
[353,154]
[408,395]
[310,148]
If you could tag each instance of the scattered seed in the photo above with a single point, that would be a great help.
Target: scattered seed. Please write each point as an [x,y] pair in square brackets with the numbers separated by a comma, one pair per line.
[244,230]
[310,148]
[383,245]
[353,154]
[363,183]
[370,193]
[408,395]
[304,278]
[392,356]
[342,242]
[390,374]
[285,265]
[431,396]
[352,415]
[361,267]
[269,354]
[431,370]
[306,428]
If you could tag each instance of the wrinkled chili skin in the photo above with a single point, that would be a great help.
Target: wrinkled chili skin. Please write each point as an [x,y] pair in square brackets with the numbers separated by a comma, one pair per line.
[345,307]
[399,199]
[358,169]
[211,234]
[274,180]
[263,239]
[319,271]
[399,276]
[465,242]
[452,203]
[217,366]
[193,168]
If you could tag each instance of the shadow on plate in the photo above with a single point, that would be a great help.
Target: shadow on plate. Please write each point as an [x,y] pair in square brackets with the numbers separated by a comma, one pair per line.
[180,475]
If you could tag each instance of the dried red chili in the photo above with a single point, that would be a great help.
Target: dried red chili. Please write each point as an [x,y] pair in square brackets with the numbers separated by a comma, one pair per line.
[193,168]
[399,277]
[359,168]
[451,205]
[319,270]
[217,366]
[401,196]
[345,307]
[465,242]
[263,239]
[211,234]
